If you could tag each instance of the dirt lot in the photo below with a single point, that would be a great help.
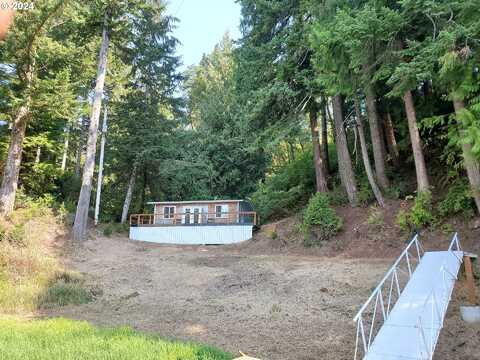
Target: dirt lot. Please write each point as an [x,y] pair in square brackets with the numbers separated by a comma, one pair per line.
[272,307]
[275,307]
[458,340]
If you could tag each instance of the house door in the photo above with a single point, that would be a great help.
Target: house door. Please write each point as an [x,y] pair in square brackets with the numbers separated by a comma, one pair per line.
[186,216]
[192,215]
[196,216]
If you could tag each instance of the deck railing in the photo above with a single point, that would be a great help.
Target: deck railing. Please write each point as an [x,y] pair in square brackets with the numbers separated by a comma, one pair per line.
[195,218]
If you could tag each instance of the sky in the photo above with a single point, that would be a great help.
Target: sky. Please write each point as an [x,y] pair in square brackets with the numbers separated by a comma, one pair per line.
[202,24]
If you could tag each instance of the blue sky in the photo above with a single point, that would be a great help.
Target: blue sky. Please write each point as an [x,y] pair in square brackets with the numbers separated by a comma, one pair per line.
[202,24]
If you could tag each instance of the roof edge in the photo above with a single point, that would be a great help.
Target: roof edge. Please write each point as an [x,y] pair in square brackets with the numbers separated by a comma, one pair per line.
[193,201]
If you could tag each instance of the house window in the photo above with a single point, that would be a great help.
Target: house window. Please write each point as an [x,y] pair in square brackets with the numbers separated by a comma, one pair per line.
[168,212]
[221,211]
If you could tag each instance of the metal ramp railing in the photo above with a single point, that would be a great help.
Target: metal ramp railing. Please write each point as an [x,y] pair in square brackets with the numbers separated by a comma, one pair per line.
[403,316]
[394,282]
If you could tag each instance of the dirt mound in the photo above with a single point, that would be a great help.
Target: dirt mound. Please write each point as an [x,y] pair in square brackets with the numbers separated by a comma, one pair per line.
[367,232]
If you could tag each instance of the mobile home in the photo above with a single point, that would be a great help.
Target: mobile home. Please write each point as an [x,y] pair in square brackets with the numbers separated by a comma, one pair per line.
[195,222]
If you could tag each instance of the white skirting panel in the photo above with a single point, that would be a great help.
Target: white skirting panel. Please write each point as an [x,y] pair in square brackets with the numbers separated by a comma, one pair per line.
[192,235]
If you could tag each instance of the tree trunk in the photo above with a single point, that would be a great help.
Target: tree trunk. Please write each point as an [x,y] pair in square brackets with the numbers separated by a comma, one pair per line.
[8,189]
[128,196]
[78,160]
[325,155]
[100,166]
[318,163]
[291,151]
[355,142]
[81,216]
[80,147]
[347,175]
[391,141]
[38,154]
[381,125]
[144,190]
[420,168]
[65,148]
[471,164]
[9,185]
[377,144]
[366,160]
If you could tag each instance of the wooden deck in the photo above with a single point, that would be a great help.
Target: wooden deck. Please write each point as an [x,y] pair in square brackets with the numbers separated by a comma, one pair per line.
[197,218]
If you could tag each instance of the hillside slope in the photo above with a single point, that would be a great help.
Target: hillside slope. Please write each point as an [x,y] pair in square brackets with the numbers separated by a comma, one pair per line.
[367,232]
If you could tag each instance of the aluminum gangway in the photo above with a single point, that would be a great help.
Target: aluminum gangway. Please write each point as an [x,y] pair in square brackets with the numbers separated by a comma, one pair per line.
[403,317]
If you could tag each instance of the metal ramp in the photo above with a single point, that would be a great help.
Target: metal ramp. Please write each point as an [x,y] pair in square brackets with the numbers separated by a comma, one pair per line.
[403,317]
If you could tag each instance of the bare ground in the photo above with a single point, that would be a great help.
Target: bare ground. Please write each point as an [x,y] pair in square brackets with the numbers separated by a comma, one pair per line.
[458,339]
[272,307]
[268,304]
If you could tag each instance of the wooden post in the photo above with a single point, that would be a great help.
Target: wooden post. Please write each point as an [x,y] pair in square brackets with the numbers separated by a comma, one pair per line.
[472,299]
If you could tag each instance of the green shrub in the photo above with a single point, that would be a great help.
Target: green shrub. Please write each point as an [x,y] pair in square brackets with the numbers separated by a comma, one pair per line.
[41,178]
[108,230]
[338,196]
[289,187]
[457,201]
[34,207]
[393,192]
[115,228]
[398,188]
[420,215]
[272,204]
[286,189]
[63,215]
[403,220]
[320,222]
[365,193]
[69,185]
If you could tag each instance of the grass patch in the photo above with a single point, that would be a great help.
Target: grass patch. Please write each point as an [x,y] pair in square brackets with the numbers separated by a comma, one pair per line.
[31,275]
[66,291]
[77,340]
